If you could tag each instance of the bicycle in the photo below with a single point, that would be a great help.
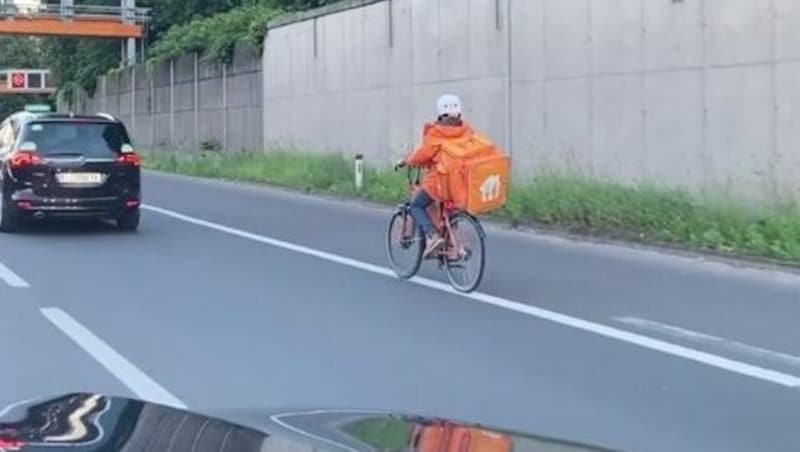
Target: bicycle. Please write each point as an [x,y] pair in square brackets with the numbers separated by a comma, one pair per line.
[463,254]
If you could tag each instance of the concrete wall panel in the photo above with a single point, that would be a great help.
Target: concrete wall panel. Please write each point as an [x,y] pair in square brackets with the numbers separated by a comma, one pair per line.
[143,102]
[210,122]
[184,68]
[739,135]
[124,78]
[528,127]
[245,59]
[184,131]
[454,43]
[142,74]
[692,94]
[162,100]
[618,124]
[527,39]
[375,46]
[673,34]
[124,107]
[787,127]
[400,60]
[787,29]
[738,31]
[301,47]
[184,96]
[567,43]
[568,139]
[488,107]
[402,134]
[331,29]
[354,46]
[674,153]
[277,50]
[210,94]
[488,38]
[161,134]
[616,36]
[424,40]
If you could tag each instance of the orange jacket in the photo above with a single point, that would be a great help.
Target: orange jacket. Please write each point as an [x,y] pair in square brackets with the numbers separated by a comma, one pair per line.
[427,155]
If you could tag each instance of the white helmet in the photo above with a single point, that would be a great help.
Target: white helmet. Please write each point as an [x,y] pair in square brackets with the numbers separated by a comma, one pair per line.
[449,105]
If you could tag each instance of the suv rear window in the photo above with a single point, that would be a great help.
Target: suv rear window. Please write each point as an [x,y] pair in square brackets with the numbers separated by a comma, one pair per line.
[89,139]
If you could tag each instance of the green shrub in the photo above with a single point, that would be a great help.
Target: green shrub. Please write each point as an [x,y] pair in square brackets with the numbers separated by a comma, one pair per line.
[574,203]
[216,36]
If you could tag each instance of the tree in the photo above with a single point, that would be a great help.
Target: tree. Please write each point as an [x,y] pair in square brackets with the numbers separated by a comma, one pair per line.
[18,53]
[78,62]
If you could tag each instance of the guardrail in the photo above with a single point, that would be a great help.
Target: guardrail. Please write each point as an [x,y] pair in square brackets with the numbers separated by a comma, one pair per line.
[72,12]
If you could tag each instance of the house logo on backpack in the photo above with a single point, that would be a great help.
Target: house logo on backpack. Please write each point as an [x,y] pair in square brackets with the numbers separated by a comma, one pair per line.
[490,188]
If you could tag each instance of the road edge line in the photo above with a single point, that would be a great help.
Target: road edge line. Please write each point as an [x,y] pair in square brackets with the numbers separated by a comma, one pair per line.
[125,371]
[647,342]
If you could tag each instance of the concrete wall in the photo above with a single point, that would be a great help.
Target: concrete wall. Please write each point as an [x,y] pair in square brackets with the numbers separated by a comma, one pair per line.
[697,94]
[184,103]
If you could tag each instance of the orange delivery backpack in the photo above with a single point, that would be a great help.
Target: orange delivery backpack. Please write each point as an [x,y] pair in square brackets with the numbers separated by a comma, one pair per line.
[477,173]
[453,438]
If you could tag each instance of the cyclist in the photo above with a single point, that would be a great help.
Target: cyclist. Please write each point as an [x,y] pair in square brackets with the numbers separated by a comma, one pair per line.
[448,126]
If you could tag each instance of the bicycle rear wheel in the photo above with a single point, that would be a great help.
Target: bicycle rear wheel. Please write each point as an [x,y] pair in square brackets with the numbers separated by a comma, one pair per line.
[466,271]
[404,244]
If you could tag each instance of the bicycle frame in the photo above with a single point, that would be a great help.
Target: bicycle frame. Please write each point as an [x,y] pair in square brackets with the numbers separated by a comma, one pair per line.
[441,214]
[449,220]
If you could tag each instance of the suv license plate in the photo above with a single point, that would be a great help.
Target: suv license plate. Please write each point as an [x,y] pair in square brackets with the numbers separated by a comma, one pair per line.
[79,178]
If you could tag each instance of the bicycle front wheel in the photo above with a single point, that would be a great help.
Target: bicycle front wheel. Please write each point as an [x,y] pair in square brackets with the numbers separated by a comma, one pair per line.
[465,269]
[404,244]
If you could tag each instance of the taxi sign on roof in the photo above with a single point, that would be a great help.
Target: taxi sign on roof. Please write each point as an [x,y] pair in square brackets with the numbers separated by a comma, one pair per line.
[37,108]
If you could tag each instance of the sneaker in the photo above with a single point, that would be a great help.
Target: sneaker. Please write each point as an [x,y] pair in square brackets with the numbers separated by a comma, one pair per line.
[434,241]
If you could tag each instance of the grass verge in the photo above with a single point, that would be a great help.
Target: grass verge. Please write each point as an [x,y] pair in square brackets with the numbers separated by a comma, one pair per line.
[580,205]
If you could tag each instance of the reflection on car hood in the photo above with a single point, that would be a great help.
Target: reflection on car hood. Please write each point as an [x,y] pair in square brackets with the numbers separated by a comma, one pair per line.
[84,422]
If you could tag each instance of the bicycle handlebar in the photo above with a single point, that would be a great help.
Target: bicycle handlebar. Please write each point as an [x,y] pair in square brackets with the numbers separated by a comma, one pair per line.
[411,179]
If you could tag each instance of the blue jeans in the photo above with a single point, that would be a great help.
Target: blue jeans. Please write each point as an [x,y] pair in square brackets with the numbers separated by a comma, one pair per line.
[419,212]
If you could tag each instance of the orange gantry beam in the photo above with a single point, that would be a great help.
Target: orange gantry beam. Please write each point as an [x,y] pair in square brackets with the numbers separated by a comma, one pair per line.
[78,27]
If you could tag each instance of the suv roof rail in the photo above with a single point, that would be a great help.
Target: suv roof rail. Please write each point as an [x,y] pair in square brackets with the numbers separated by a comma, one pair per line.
[107,116]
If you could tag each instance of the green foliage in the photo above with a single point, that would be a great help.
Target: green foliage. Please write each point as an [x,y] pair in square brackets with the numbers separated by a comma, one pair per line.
[382,434]
[169,13]
[214,27]
[211,26]
[20,53]
[216,36]
[76,63]
[568,202]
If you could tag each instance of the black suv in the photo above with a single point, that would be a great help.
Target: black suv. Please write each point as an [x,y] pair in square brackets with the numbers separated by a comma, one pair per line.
[61,166]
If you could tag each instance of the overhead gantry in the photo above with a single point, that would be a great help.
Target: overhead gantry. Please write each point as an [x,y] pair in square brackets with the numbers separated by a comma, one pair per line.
[66,19]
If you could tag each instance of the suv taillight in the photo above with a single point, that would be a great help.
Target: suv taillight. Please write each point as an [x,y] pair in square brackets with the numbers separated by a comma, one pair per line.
[129,159]
[24,159]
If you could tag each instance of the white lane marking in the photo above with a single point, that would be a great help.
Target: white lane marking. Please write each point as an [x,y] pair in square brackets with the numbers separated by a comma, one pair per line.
[562,319]
[276,418]
[11,278]
[713,341]
[131,376]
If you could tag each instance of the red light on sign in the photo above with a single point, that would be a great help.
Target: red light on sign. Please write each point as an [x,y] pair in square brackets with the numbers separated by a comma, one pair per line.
[18,80]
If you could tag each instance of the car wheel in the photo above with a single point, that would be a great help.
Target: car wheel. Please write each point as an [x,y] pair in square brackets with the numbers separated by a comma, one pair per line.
[128,222]
[8,217]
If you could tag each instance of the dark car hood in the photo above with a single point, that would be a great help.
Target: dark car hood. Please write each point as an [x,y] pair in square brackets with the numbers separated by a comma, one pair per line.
[93,422]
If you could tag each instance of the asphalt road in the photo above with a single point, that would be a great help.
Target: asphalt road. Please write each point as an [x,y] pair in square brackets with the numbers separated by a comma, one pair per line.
[242,301]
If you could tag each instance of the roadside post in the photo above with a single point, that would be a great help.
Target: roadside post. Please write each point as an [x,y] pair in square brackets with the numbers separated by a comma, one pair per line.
[359,171]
